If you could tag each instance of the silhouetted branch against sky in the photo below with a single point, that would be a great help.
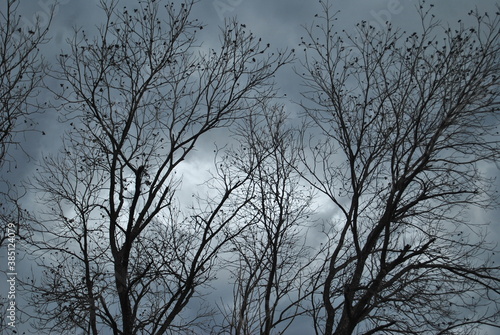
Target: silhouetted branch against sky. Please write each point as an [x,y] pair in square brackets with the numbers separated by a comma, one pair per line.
[21,72]
[22,69]
[401,123]
[250,167]
[138,97]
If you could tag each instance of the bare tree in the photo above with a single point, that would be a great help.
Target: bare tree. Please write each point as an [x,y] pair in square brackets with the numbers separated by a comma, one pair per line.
[121,253]
[270,258]
[21,73]
[400,128]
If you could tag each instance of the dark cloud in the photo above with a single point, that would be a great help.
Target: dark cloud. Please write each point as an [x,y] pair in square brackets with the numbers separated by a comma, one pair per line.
[277,22]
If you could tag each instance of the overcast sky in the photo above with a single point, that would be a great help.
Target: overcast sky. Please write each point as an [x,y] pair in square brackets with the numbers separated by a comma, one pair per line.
[278,22]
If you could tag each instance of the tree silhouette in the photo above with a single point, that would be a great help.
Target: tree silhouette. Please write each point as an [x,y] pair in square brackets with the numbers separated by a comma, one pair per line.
[400,128]
[21,74]
[399,131]
[121,253]
[269,260]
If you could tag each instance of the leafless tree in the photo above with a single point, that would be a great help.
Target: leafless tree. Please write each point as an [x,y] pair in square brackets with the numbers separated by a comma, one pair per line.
[270,258]
[400,128]
[21,73]
[121,252]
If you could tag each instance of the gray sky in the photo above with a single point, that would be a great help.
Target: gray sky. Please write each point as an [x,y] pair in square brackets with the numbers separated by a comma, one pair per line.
[278,22]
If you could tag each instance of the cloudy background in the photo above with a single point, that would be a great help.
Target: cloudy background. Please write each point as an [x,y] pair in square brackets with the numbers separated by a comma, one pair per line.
[279,22]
